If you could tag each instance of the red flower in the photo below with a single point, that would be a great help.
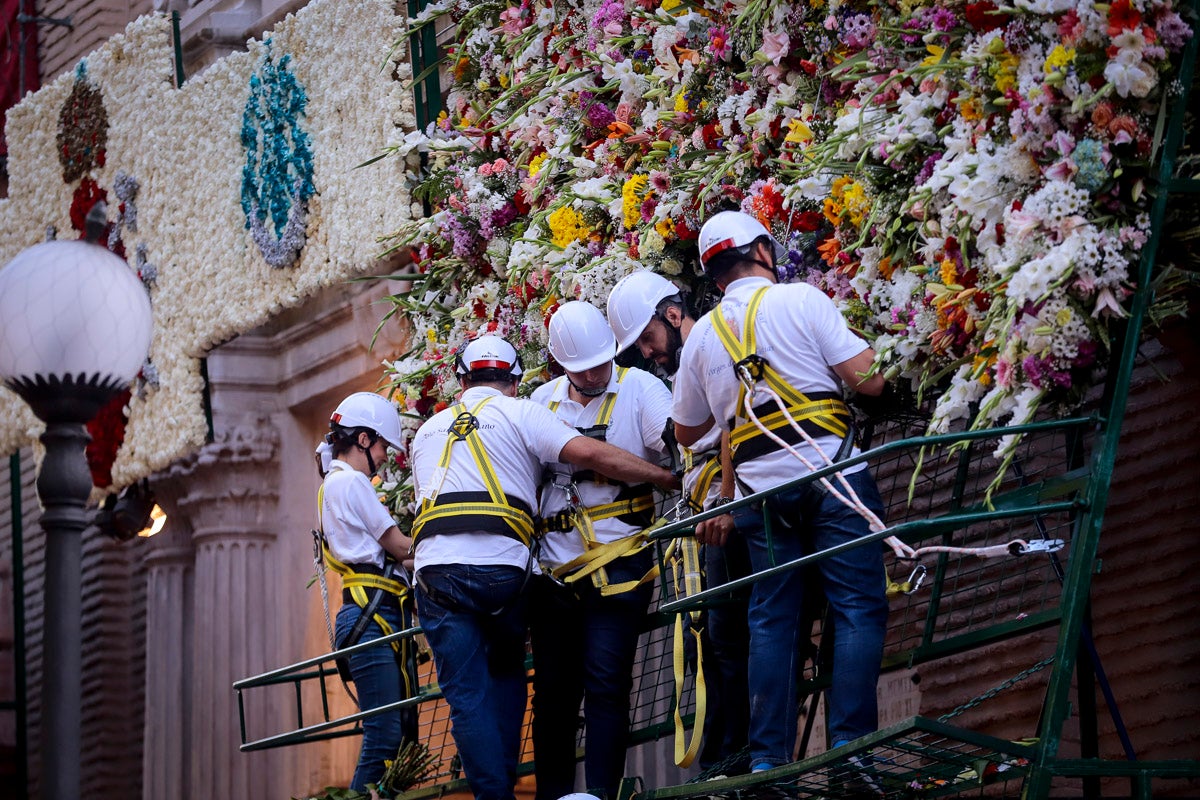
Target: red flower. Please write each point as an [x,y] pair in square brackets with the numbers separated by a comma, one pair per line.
[984,17]
[807,221]
[87,194]
[107,430]
[1123,16]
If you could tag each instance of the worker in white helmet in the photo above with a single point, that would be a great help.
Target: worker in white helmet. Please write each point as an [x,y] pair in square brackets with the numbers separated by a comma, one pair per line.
[584,629]
[363,544]
[792,339]
[476,470]
[649,312]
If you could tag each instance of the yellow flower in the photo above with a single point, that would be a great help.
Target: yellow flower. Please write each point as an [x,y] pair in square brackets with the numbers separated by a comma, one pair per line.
[935,55]
[1006,72]
[857,203]
[1059,59]
[567,226]
[665,228]
[681,104]
[949,272]
[632,194]
[832,210]
[502,79]
[535,164]
[798,132]
[971,109]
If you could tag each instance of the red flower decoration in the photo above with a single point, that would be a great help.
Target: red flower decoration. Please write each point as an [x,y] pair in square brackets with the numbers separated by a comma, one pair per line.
[107,429]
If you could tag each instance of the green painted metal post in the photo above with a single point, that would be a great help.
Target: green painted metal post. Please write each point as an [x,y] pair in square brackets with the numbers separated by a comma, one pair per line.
[1077,585]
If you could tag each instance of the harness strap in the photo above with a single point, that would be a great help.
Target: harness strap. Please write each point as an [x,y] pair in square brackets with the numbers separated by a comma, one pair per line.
[686,577]
[819,413]
[356,580]
[704,481]
[566,519]
[517,523]
[596,554]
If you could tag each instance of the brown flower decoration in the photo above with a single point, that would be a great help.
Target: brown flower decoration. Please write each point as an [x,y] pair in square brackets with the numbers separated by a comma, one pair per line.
[82,130]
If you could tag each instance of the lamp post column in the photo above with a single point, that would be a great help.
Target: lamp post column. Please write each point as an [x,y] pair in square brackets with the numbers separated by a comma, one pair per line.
[63,485]
[75,328]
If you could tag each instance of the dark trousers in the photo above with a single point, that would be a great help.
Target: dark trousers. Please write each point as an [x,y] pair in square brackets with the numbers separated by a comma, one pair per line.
[583,650]
[727,647]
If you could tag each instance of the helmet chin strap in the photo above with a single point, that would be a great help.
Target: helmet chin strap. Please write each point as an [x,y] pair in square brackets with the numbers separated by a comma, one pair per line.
[371,465]
[674,345]
[587,392]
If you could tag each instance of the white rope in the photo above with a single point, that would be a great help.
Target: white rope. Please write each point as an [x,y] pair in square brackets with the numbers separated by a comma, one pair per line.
[850,498]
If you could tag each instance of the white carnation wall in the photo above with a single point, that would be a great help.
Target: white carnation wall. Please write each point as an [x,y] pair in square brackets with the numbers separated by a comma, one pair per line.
[183,147]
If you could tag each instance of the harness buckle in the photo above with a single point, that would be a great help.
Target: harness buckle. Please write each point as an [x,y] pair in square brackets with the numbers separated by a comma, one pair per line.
[464,424]
[750,370]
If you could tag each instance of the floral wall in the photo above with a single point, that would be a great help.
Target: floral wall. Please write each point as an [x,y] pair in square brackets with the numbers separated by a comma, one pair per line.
[234,196]
[968,180]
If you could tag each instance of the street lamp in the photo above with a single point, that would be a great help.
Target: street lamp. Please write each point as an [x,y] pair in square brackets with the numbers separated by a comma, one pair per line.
[75,327]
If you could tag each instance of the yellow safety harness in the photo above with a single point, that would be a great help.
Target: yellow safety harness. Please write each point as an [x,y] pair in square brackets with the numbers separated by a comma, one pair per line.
[818,413]
[684,557]
[704,479]
[472,512]
[597,555]
[357,579]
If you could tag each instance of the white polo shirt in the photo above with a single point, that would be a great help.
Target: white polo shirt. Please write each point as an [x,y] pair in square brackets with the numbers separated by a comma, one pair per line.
[520,438]
[352,516]
[639,417]
[800,332]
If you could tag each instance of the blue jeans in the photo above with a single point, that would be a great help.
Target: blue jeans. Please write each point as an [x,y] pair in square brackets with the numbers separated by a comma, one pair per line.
[727,644]
[379,681]
[803,521]
[474,620]
[583,650]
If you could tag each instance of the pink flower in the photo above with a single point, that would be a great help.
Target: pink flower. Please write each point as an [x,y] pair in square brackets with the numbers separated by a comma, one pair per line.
[511,22]
[776,46]
[718,39]
[774,75]
[1107,305]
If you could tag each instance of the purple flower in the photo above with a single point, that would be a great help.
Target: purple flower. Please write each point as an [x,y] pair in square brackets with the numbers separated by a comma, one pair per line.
[858,31]
[926,171]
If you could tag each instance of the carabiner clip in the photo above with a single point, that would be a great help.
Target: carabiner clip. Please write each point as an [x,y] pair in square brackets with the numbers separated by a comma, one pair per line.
[915,580]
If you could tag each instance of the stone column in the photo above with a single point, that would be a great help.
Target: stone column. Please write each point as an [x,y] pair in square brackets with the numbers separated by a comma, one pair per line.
[168,569]
[212,617]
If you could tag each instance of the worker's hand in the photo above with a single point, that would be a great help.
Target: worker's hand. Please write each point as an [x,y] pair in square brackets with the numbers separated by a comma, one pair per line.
[715,531]
[668,480]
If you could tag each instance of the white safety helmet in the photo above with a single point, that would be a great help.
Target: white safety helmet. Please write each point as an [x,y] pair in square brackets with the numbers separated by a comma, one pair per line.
[489,353]
[580,337]
[728,230]
[632,303]
[369,410]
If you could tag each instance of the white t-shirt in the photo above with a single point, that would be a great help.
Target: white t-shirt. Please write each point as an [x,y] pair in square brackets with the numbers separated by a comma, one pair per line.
[352,516]
[800,332]
[520,438]
[639,417]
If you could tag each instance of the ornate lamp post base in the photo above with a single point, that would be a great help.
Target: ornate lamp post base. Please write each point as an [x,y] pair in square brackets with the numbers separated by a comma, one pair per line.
[63,486]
